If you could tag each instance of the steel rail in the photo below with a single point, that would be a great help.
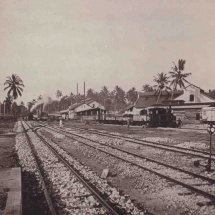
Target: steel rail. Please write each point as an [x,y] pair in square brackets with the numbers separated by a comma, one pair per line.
[144,142]
[146,158]
[201,192]
[45,189]
[80,178]
[155,145]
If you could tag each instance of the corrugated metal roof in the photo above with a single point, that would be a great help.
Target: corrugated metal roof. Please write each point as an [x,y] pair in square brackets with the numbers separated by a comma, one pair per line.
[86,101]
[147,99]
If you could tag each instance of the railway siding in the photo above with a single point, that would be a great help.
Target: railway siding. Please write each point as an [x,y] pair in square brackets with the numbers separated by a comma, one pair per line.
[123,204]
[129,167]
[112,193]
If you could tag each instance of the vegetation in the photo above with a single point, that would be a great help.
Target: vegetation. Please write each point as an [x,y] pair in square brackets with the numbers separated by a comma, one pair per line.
[161,84]
[114,100]
[178,78]
[14,86]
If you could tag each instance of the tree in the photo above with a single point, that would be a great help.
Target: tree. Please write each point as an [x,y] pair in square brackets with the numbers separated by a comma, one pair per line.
[147,88]
[90,93]
[104,96]
[58,94]
[14,84]
[119,97]
[162,81]
[178,78]
[30,105]
[8,104]
[22,103]
[39,97]
[211,93]
[132,95]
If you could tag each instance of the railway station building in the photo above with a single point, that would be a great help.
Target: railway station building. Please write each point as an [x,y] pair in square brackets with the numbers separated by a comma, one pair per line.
[86,108]
[186,104]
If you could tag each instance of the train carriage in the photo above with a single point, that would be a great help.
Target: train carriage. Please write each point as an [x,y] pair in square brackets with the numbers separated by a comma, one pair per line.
[208,115]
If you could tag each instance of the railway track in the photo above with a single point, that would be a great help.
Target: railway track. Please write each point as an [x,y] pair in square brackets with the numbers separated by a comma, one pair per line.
[111,208]
[50,204]
[187,179]
[161,146]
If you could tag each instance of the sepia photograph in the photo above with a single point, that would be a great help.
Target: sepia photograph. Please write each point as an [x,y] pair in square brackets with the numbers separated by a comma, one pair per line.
[107,107]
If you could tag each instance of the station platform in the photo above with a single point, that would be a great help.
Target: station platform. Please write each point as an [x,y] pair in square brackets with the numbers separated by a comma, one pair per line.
[11,190]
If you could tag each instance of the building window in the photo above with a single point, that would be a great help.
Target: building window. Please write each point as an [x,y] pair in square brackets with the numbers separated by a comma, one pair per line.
[93,105]
[191,98]
[197,116]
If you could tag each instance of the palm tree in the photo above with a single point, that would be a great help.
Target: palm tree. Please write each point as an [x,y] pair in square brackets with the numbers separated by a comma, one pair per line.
[90,93]
[58,94]
[104,95]
[132,95]
[147,88]
[8,103]
[119,98]
[162,81]
[178,78]
[39,97]
[15,85]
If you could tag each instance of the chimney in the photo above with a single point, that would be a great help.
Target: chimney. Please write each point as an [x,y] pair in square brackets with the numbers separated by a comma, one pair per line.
[84,91]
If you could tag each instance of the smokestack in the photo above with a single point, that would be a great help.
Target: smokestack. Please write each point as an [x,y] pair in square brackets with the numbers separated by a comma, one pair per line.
[77,89]
[84,92]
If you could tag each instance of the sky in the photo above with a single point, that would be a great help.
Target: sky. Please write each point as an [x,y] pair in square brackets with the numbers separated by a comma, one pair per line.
[53,45]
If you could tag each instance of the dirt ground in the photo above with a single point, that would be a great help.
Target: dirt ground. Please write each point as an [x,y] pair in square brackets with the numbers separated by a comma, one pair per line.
[7,145]
[8,157]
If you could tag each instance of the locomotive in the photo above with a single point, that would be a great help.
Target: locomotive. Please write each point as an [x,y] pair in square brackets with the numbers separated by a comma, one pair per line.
[150,117]
[162,117]
[43,116]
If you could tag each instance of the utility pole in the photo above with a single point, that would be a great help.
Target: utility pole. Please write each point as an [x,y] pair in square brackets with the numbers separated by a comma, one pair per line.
[210,130]
[77,94]
[84,91]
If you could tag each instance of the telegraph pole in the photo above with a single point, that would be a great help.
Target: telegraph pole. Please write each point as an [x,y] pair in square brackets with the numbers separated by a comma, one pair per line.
[210,130]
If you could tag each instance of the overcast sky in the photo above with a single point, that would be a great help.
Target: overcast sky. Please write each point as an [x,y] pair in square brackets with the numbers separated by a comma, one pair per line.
[53,44]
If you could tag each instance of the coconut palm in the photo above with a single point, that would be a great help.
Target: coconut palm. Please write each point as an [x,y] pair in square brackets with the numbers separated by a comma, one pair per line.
[132,95]
[104,95]
[39,97]
[178,78]
[58,94]
[162,82]
[119,99]
[8,104]
[15,85]
[147,88]
[90,93]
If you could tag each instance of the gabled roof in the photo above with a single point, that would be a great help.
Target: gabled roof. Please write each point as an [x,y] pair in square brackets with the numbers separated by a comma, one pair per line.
[89,109]
[86,101]
[147,99]
[127,107]
[64,111]
[73,106]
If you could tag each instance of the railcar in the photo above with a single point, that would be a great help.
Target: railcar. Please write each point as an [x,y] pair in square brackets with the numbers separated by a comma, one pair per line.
[43,116]
[151,117]
[208,115]
[30,116]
